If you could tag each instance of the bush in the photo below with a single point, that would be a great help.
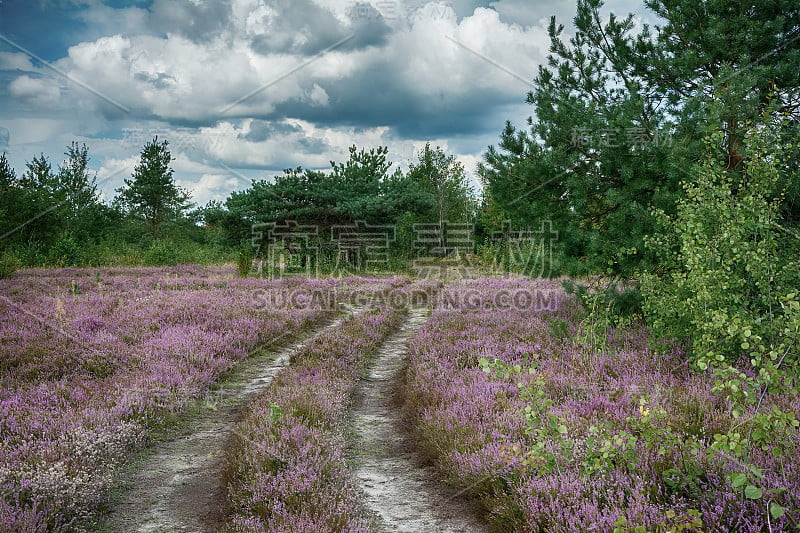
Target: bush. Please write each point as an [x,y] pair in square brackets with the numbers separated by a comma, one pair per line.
[729,260]
[162,253]
[613,300]
[8,265]
[245,261]
[65,252]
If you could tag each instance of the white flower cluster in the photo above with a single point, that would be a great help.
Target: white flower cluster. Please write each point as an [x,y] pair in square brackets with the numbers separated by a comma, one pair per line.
[78,484]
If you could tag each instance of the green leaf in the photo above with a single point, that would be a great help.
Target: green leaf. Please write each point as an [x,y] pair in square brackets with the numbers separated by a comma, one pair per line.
[737,480]
[752,492]
[776,510]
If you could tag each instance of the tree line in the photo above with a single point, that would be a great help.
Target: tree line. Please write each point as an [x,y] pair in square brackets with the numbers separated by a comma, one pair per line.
[56,216]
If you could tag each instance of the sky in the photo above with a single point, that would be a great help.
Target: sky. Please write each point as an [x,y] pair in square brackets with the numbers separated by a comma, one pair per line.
[243,89]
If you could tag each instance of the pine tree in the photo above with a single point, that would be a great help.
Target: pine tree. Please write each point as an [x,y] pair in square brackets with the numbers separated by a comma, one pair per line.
[75,183]
[620,119]
[152,193]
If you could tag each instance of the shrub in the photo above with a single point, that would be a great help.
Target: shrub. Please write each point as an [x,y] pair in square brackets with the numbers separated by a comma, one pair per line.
[729,259]
[162,253]
[730,290]
[65,252]
[245,261]
[8,265]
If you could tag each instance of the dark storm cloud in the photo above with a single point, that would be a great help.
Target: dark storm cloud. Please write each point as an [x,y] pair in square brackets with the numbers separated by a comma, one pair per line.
[261,130]
[408,115]
[367,26]
[378,97]
[313,145]
[197,22]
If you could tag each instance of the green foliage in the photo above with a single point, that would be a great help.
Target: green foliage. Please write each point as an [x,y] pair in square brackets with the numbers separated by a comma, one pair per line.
[671,424]
[152,193]
[29,203]
[8,265]
[606,308]
[76,192]
[39,176]
[606,449]
[357,185]
[244,262]
[559,329]
[674,523]
[501,370]
[727,260]
[161,253]
[9,192]
[274,412]
[728,283]
[36,209]
[618,118]
[360,189]
[65,251]
[443,178]
[404,234]
[52,218]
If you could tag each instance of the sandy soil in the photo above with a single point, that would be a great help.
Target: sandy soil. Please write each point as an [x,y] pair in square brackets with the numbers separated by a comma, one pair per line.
[176,485]
[403,494]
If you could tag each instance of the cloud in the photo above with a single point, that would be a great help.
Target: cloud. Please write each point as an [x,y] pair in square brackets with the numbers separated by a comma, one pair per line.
[413,70]
[318,96]
[411,74]
[112,175]
[305,28]
[197,21]
[35,92]
[276,145]
[520,11]
[101,20]
[210,187]
[15,61]
[261,130]
[5,137]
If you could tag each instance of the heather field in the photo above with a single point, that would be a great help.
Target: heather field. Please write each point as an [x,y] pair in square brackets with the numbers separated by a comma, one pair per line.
[267,266]
[552,425]
[93,361]
[287,465]
[512,398]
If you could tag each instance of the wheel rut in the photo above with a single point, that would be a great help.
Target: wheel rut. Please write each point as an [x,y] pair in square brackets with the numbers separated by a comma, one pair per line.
[176,485]
[403,495]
